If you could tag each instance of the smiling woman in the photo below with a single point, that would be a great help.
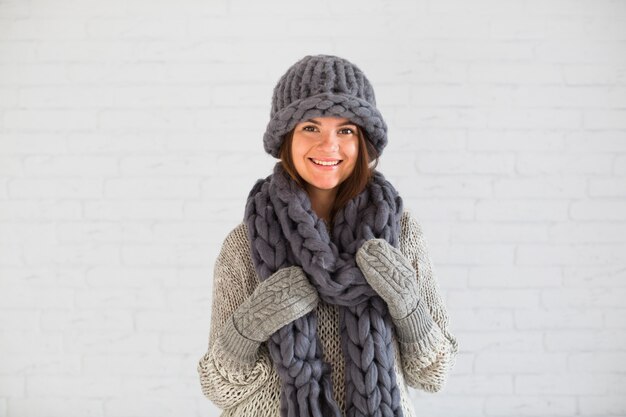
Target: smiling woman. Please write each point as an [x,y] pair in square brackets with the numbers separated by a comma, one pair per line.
[327,156]
[324,236]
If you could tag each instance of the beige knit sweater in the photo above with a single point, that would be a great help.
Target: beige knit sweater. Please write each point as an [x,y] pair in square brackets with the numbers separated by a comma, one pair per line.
[243,388]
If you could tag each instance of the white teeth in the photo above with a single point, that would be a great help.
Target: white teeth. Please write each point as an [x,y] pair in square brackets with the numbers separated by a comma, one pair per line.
[324,163]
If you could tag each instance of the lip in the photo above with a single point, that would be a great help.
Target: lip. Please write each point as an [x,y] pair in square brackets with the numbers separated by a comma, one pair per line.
[326,159]
[326,168]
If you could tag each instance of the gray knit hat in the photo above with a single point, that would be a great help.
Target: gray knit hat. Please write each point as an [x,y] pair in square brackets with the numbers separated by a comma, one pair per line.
[318,86]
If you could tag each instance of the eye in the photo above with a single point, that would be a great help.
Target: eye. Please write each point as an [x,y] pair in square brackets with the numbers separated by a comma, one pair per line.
[347,130]
[307,127]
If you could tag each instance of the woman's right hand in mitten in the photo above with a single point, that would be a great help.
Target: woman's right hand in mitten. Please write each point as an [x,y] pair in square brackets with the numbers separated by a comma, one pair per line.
[282,298]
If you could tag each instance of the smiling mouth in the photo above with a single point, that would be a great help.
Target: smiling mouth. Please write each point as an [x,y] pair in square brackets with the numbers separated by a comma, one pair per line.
[326,163]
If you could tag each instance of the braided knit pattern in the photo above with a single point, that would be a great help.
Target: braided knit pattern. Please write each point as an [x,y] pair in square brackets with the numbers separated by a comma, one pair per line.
[321,86]
[324,105]
[284,231]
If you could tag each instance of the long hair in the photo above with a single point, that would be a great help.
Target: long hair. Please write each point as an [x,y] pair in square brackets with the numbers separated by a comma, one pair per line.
[366,162]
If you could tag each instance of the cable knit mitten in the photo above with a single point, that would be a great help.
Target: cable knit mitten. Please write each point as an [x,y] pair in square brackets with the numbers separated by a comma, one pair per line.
[277,301]
[393,277]
[282,298]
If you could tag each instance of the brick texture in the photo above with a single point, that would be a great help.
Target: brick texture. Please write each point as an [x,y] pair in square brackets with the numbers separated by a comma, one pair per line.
[130,135]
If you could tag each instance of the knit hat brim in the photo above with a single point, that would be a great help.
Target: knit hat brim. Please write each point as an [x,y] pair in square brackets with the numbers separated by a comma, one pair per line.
[326,104]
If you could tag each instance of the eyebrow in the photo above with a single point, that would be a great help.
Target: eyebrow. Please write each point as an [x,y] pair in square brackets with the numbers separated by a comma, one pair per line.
[340,124]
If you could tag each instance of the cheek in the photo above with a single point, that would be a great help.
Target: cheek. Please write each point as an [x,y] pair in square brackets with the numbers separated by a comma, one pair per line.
[352,149]
[298,148]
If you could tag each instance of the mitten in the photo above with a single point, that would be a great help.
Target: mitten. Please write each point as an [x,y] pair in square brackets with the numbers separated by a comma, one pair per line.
[393,277]
[277,301]
[282,298]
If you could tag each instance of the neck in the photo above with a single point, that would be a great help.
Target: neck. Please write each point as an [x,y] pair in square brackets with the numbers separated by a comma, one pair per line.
[322,201]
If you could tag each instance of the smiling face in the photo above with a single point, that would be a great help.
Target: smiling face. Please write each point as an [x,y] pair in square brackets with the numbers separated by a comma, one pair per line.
[324,151]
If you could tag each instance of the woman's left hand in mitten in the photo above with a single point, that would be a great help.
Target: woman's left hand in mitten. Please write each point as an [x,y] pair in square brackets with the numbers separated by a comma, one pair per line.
[391,275]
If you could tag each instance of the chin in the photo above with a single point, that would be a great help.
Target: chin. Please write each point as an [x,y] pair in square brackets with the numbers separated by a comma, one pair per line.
[325,185]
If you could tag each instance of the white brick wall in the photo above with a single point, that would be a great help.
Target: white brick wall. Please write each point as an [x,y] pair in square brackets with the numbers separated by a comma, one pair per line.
[130,135]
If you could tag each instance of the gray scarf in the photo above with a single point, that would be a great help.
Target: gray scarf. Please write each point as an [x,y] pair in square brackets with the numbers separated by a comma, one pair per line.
[284,231]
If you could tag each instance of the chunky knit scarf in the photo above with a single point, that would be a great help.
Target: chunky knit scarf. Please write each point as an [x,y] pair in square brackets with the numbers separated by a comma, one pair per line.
[284,231]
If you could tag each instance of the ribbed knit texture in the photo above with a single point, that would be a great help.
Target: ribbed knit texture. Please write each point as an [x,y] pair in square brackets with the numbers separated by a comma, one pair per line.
[244,388]
[321,86]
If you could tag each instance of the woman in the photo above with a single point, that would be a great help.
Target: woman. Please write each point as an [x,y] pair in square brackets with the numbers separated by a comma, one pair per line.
[324,303]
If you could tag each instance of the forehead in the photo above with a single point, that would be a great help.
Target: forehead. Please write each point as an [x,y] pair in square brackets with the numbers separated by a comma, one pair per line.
[331,121]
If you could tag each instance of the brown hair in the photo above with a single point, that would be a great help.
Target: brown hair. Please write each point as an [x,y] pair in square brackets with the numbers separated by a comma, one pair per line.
[353,185]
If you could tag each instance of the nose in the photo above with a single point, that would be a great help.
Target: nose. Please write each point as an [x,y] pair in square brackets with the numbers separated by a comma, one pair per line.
[330,141]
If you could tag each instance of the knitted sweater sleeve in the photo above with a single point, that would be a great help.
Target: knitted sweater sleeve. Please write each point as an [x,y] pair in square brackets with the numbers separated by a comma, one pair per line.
[426,362]
[228,379]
